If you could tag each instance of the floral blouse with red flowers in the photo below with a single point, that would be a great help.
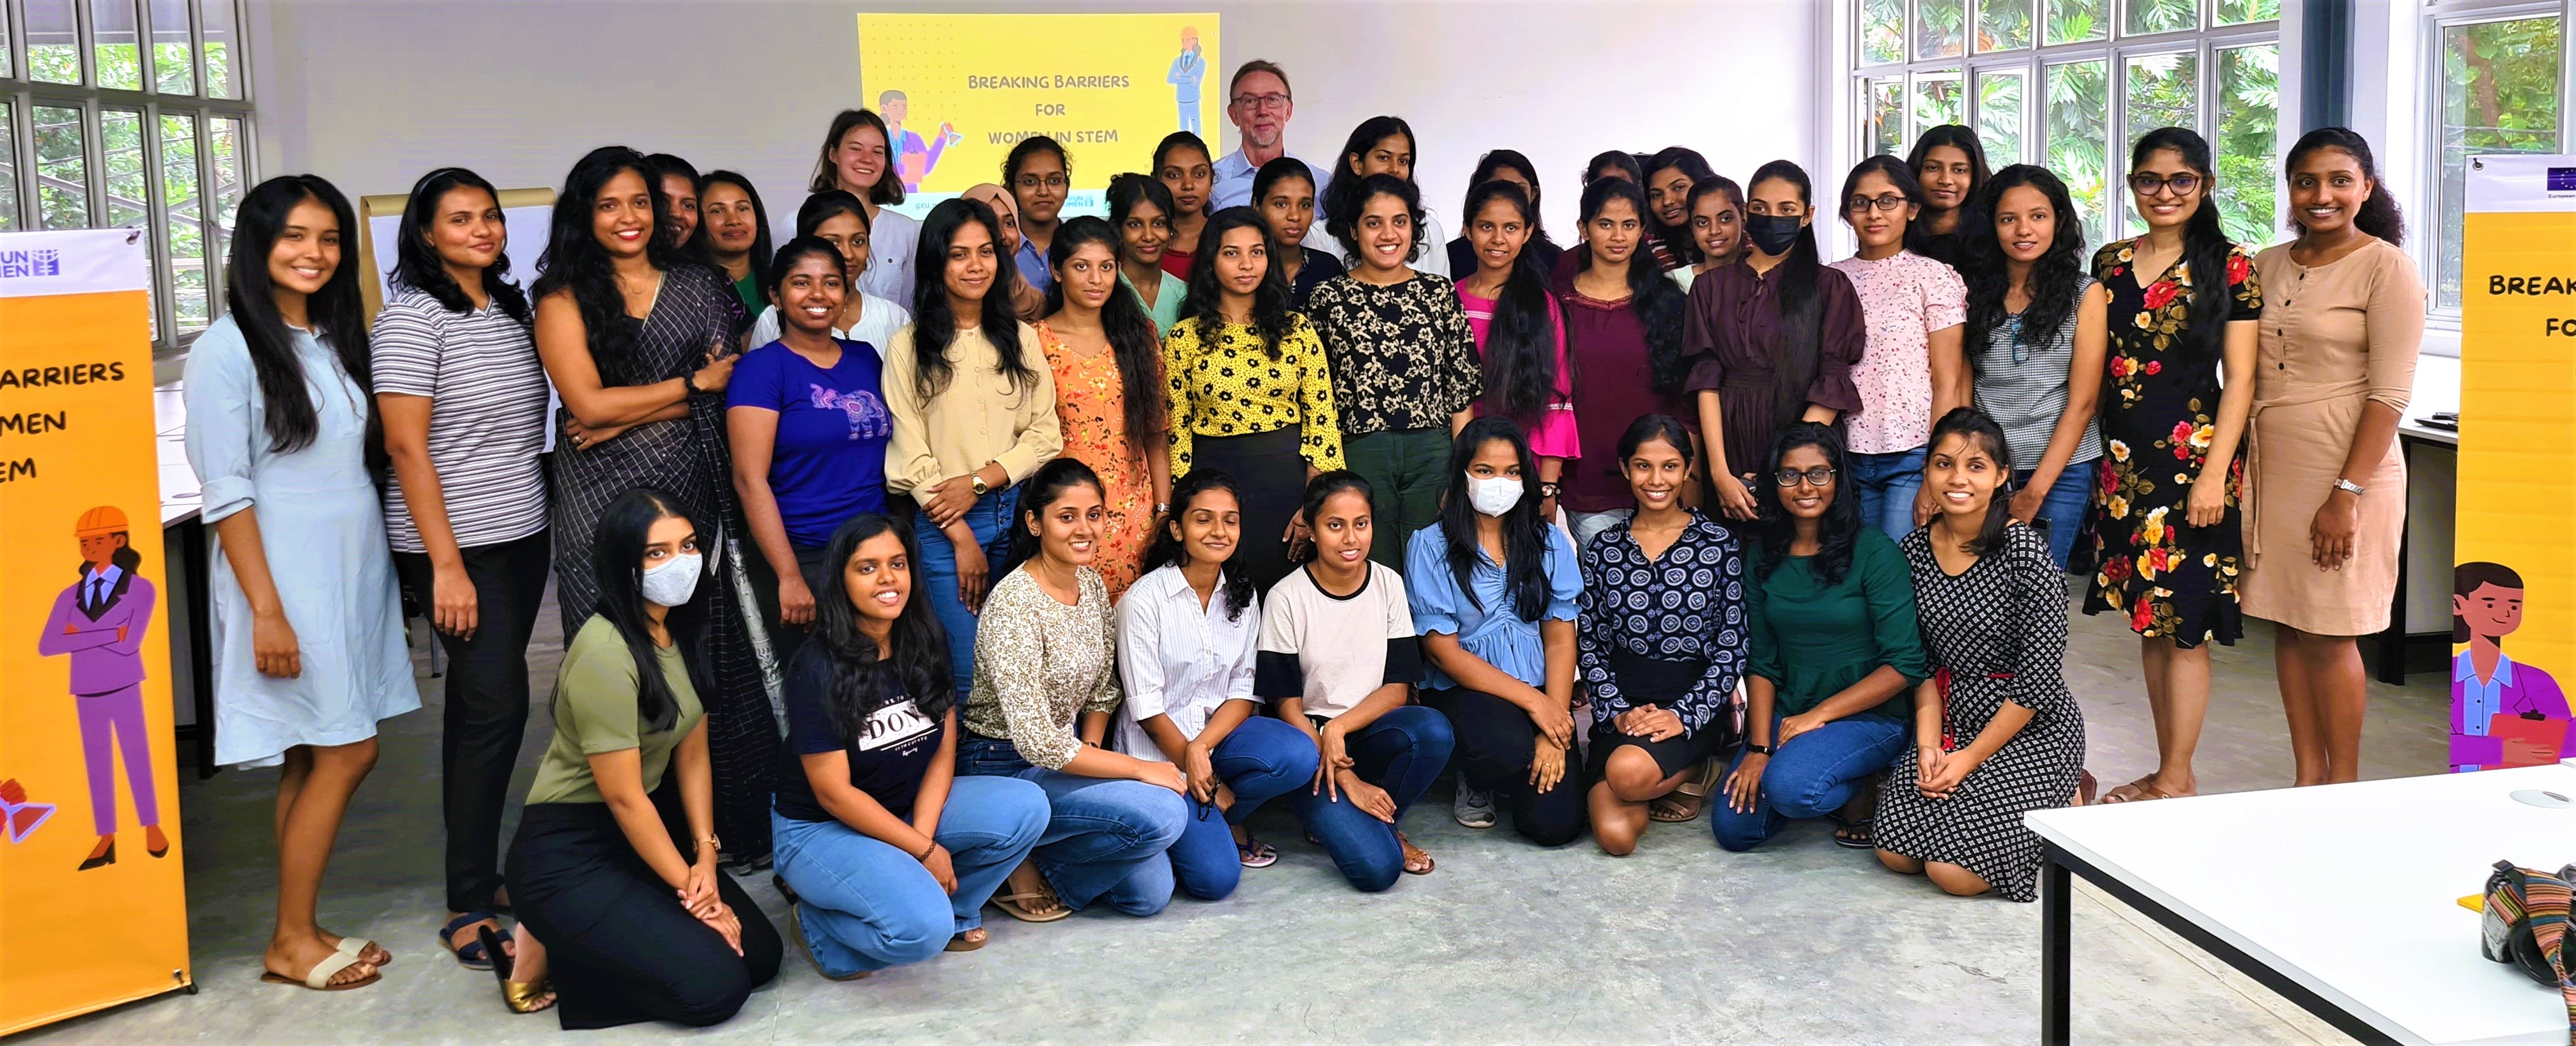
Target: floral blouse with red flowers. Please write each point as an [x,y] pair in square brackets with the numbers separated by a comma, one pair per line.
[2159,413]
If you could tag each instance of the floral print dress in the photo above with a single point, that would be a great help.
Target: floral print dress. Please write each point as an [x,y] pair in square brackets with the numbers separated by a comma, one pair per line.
[2159,413]
[1091,405]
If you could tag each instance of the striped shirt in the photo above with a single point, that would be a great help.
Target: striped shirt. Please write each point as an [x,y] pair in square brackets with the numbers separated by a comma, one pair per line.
[2024,387]
[487,421]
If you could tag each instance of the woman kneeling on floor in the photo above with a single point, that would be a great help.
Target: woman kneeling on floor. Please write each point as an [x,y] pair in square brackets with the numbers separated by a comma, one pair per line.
[628,928]
[1661,644]
[889,854]
[1186,635]
[1835,648]
[1493,589]
[1045,655]
[1996,735]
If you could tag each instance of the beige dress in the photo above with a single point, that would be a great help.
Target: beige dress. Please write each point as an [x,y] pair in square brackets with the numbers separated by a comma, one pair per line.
[2333,338]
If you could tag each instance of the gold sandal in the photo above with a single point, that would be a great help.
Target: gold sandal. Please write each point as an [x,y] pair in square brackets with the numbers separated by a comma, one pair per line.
[1703,780]
[520,997]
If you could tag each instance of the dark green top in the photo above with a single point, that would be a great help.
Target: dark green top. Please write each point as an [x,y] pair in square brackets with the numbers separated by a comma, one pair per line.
[1811,641]
[753,298]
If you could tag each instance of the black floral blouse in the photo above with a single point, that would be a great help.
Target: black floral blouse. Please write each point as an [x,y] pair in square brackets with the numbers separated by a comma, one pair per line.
[1403,357]
[2159,413]
[1688,605]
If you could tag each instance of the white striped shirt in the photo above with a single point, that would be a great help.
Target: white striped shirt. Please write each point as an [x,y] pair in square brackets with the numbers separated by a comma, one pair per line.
[487,421]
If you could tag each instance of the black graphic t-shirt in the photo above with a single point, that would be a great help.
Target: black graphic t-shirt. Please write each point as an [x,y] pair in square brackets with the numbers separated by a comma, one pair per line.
[887,762]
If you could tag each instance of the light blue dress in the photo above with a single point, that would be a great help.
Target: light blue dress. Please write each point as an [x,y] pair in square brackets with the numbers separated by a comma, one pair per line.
[1489,626]
[324,530]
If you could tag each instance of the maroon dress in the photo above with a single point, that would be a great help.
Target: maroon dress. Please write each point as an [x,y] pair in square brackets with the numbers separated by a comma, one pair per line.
[1613,386]
[1731,331]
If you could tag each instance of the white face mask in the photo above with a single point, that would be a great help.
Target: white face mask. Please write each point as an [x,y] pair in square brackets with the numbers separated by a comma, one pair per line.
[1493,495]
[672,583]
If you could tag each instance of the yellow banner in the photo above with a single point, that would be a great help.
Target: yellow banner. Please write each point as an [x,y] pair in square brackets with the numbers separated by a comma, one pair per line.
[92,901]
[959,90]
[2516,551]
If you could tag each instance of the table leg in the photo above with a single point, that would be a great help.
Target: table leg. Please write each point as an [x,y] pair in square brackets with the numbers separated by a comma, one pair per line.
[2056,897]
[2389,663]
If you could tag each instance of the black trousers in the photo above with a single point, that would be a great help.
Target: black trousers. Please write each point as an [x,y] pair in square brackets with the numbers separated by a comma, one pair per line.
[1271,472]
[487,702]
[1495,742]
[619,947]
[784,638]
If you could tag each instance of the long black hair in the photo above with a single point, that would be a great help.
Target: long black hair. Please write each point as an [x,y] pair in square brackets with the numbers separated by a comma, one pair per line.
[1524,533]
[1344,190]
[1520,347]
[889,186]
[335,312]
[1658,301]
[617,559]
[1344,223]
[1271,317]
[934,326]
[2377,215]
[863,682]
[1497,160]
[2053,277]
[1622,159]
[1836,533]
[417,264]
[1979,429]
[1677,238]
[760,240]
[575,262]
[1956,136]
[1130,329]
[1798,354]
[2205,246]
[1041,491]
[1166,547]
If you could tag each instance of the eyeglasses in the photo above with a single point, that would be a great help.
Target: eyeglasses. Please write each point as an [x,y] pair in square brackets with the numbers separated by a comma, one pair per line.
[2146,184]
[1052,181]
[1819,476]
[1262,101]
[1890,203]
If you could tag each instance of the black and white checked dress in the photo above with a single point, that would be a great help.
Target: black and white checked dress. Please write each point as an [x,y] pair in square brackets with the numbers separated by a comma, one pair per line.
[689,459]
[1999,629]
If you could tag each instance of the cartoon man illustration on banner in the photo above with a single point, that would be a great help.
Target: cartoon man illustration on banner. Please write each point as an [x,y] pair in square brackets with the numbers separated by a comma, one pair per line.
[100,622]
[913,158]
[2503,712]
[1187,70]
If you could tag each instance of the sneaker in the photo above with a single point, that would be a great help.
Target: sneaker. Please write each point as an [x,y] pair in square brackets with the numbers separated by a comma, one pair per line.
[1473,808]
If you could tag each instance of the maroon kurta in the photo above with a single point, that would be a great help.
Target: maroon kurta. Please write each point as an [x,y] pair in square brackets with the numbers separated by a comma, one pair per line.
[1732,331]
[1613,386]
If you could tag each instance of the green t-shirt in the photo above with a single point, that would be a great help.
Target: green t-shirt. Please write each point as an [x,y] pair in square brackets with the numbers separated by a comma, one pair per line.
[595,712]
[753,298]
[1812,641]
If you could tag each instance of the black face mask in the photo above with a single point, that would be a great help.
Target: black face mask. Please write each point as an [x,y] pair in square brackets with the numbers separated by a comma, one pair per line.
[1772,234]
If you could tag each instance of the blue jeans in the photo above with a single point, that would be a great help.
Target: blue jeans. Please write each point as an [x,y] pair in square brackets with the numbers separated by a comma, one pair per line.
[1811,776]
[867,905]
[990,518]
[1887,484]
[1401,752]
[1103,838]
[2061,514]
[1260,760]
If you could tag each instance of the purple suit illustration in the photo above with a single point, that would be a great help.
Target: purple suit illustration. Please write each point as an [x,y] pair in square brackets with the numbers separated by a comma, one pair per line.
[100,622]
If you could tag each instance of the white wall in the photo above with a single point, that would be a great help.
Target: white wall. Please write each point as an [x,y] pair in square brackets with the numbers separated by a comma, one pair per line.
[371,93]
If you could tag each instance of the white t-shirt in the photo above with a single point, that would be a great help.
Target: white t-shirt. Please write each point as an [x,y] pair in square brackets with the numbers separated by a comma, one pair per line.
[878,320]
[1333,651]
[891,240]
[1179,659]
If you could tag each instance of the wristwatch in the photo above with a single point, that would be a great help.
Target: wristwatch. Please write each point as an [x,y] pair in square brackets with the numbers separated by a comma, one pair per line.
[981,488]
[713,843]
[2349,486]
[1758,749]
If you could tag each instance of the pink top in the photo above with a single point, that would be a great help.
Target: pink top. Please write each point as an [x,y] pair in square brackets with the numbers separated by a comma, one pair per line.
[1903,299]
[1553,435]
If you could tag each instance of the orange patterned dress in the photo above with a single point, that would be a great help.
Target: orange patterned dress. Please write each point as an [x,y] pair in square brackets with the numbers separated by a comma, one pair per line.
[1090,405]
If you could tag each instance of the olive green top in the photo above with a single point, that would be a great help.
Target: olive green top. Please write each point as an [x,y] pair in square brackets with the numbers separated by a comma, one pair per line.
[594,706]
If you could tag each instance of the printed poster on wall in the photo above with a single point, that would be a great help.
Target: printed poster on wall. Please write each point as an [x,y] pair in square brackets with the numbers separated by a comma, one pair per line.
[92,897]
[2513,591]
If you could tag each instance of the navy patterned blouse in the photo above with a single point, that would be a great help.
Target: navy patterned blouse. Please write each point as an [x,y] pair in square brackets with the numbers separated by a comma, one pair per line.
[1686,606]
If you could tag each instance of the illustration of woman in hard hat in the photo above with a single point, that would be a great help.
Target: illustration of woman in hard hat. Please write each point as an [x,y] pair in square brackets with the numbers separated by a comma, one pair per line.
[100,621]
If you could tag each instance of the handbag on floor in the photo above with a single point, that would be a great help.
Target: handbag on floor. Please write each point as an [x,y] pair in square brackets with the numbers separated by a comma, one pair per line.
[2524,925]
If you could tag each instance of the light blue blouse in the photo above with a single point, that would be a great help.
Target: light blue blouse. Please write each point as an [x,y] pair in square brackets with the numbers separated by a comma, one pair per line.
[1487,626]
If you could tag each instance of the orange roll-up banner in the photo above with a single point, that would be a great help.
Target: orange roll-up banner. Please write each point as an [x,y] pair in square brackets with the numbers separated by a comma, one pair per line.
[93,905]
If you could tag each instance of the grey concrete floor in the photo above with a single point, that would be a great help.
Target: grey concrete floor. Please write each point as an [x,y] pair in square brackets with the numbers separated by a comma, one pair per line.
[1506,943]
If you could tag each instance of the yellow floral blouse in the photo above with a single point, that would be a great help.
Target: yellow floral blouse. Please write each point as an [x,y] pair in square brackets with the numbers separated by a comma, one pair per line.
[1091,407]
[1235,387]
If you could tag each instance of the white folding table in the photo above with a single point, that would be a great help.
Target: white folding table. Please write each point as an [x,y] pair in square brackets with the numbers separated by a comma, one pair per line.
[2342,898]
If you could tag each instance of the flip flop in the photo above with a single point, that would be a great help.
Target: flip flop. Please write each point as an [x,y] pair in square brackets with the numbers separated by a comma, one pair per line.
[472,954]
[959,943]
[1256,854]
[1015,905]
[529,997]
[319,977]
[1429,865]
[2143,789]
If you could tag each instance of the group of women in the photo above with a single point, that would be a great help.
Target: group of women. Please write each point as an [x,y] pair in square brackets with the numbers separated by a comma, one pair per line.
[1008,556]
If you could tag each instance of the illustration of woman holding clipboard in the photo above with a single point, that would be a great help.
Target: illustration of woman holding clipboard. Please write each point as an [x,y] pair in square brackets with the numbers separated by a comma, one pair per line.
[2503,713]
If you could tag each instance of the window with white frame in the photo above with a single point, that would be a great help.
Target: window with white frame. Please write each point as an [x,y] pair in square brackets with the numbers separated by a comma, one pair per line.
[130,114]
[2069,84]
[2498,84]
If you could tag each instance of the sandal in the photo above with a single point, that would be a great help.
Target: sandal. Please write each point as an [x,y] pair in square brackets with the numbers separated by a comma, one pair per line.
[359,948]
[1256,854]
[472,955]
[796,919]
[529,997]
[1684,802]
[1019,905]
[1855,834]
[960,943]
[319,977]
[1413,853]
[2143,789]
